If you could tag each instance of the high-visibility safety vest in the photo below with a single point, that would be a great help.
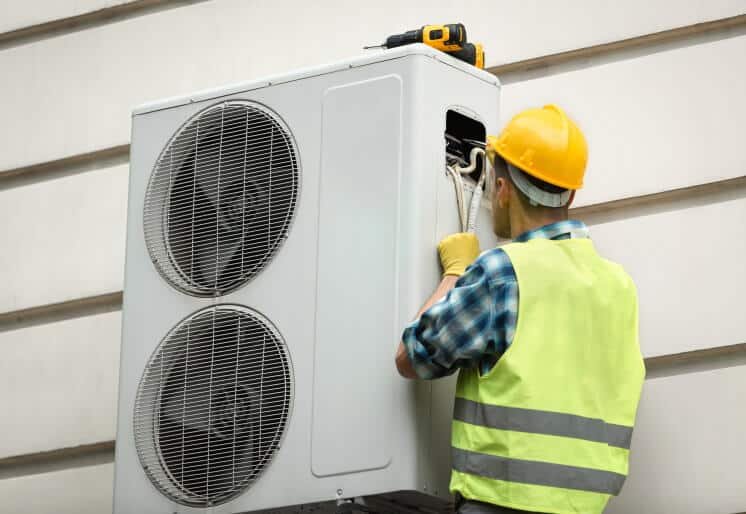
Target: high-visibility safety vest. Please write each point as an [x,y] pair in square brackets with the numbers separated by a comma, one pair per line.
[548,429]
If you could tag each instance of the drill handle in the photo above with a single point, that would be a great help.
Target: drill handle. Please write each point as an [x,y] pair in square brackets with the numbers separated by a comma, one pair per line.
[471,53]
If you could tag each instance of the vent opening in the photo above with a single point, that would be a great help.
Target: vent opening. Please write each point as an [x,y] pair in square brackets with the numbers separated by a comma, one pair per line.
[221,198]
[212,405]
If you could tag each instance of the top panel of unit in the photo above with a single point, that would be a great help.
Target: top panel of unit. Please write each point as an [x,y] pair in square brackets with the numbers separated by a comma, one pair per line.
[368,58]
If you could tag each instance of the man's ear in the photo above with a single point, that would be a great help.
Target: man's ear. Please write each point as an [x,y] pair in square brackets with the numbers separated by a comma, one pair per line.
[502,192]
[572,198]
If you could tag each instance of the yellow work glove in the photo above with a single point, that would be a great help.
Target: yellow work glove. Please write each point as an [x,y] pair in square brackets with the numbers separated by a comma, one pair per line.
[457,252]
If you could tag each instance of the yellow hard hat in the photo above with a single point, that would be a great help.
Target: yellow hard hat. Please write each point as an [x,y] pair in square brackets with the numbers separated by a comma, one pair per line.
[546,144]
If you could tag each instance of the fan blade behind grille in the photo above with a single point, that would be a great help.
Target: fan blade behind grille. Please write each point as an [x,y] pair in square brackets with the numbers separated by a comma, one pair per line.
[221,198]
[212,405]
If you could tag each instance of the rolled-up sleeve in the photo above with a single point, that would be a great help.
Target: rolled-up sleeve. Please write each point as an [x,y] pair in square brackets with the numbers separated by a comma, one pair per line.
[455,332]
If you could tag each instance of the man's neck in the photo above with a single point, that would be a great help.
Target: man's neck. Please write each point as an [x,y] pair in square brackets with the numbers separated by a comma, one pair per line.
[524,224]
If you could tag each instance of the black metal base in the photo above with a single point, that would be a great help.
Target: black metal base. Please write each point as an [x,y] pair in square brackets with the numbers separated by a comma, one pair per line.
[399,502]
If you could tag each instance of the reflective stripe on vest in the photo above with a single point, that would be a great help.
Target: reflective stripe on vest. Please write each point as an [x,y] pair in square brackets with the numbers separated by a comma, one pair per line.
[537,473]
[542,422]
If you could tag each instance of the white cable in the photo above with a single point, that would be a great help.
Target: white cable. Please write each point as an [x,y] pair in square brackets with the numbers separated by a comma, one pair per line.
[458,185]
[469,220]
[472,161]
[476,200]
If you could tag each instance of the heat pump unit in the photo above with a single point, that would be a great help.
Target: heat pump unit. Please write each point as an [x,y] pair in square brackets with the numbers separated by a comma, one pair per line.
[281,233]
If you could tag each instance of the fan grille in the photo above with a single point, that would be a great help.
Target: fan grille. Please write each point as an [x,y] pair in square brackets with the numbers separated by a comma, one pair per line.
[221,198]
[212,405]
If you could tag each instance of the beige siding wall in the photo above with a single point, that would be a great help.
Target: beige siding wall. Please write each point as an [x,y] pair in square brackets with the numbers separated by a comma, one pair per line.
[689,271]
[665,196]
[60,382]
[85,490]
[688,446]
[64,238]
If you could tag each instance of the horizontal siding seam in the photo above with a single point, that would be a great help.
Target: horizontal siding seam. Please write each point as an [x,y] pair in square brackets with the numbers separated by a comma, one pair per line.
[514,71]
[91,19]
[695,361]
[73,165]
[32,316]
[57,460]
[664,201]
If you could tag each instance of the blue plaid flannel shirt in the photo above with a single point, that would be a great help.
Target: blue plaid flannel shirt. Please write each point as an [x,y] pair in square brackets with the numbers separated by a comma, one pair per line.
[475,322]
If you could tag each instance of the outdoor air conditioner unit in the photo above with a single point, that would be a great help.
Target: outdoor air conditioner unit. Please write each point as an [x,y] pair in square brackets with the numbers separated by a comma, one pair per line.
[281,233]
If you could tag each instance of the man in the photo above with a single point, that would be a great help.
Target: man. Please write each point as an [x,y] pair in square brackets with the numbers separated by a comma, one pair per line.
[544,333]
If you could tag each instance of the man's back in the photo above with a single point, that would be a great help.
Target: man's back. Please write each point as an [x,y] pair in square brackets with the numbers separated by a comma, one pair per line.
[580,309]
[548,428]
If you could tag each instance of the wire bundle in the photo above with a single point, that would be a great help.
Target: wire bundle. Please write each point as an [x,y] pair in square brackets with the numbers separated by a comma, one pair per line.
[468,217]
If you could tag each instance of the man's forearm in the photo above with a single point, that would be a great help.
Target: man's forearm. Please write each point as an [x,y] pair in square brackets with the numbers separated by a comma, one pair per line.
[403,363]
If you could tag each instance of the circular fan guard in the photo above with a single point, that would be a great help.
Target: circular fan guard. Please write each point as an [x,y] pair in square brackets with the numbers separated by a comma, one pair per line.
[221,198]
[212,405]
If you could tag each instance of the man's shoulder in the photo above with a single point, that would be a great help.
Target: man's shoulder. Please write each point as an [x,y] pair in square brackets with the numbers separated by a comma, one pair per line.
[495,264]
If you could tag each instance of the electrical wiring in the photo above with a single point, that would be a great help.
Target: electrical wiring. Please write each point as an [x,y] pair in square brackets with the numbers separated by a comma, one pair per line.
[458,185]
[468,218]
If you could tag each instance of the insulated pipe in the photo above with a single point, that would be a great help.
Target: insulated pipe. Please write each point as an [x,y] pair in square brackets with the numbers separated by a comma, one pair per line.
[458,185]
[476,200]
[472,161]
[469,220]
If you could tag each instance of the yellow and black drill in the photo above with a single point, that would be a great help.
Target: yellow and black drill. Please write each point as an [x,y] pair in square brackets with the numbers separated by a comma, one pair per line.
[450,39]
[442,37]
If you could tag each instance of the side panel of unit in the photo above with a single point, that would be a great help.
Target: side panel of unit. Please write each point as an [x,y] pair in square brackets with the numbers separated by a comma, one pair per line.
[357,261]
[367,172]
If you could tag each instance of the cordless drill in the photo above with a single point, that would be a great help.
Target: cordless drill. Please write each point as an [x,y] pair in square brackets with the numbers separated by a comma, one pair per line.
[441,37]
[450,39]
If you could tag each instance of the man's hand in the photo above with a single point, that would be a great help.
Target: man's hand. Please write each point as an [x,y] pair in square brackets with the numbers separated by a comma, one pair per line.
[457,252]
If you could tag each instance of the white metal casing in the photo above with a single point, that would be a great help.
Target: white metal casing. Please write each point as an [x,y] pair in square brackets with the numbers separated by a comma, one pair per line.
[358,262]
